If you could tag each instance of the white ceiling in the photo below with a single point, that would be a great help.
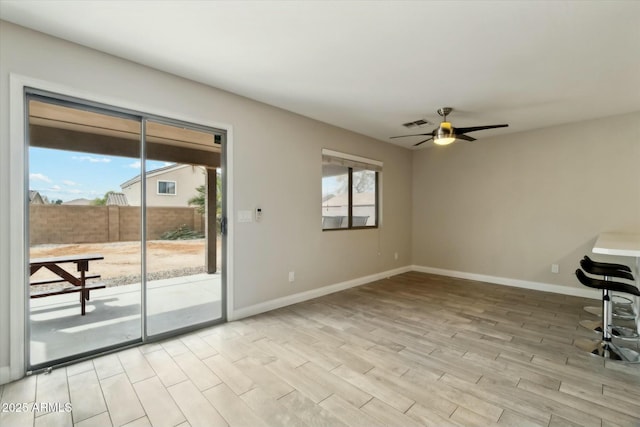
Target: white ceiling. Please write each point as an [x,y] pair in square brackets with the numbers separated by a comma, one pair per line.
[370,66]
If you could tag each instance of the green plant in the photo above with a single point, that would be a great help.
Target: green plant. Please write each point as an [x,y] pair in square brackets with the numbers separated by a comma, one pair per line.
[182,233]
[102,201]
[200,199]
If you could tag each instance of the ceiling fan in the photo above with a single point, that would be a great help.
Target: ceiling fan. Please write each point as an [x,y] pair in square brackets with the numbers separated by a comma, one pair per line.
[446,134]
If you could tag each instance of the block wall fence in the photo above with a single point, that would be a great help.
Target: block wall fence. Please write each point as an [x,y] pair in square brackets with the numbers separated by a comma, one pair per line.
[60,224]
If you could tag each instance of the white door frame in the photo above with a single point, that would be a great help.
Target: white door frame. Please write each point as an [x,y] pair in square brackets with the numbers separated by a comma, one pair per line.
[18,201]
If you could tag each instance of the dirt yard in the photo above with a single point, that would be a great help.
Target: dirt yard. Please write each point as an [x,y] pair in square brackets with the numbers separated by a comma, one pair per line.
[165,258]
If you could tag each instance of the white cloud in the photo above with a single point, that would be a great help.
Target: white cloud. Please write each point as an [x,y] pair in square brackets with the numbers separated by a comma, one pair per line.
[135,165]
[39,177]
[91,159]
[70,183]
[55,188]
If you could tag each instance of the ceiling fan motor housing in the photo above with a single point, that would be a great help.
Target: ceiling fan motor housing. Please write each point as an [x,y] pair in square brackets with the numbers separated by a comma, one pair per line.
[444,130]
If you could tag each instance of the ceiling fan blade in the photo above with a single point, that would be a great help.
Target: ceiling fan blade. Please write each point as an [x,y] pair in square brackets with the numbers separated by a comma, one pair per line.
[417,134]
[422,142]
[465,137]
[475,128]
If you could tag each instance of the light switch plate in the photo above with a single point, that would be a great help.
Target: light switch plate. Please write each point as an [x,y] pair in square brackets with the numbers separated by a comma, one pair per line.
[245,216]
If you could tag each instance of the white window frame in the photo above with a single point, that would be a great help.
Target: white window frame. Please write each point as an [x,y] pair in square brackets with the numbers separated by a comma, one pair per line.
[175,188]
[351,161]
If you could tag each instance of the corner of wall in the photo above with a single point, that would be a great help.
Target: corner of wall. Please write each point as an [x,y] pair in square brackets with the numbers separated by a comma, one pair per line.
[516,283]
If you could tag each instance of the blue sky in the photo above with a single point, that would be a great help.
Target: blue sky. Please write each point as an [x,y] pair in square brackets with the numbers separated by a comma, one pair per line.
[68,175]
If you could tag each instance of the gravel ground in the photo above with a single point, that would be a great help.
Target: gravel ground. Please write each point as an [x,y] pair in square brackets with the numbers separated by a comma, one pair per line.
[167,274]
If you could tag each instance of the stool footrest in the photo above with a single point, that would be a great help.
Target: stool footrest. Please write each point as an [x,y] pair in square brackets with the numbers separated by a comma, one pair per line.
[624,333]
[592,325]
[620,300]
[623,313]
[620,311]
[608,350]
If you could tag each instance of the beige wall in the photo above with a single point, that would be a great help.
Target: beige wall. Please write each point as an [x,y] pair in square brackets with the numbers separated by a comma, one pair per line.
[277,166]
[511,206]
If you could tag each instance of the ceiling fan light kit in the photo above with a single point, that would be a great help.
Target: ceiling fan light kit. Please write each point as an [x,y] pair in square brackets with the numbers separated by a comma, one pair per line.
[445,134]
[444,140]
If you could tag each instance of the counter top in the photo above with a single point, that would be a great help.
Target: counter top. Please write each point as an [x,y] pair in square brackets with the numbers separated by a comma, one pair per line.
[622,244]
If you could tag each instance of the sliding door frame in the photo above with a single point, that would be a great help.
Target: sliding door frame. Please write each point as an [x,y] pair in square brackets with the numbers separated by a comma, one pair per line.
[21,88]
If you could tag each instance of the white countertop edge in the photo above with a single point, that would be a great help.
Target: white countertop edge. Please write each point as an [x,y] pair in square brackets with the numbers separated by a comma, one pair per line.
[617,243]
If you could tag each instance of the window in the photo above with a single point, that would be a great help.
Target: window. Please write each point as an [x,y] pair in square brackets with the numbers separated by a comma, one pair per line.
[349,191]
[167,187]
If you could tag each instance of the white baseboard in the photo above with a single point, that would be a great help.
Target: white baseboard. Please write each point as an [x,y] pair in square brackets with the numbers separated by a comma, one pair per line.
[536,286]
[314,293]
[5,374]
[5,371]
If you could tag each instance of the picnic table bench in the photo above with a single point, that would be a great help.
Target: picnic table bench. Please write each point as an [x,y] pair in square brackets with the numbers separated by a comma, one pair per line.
[79,284]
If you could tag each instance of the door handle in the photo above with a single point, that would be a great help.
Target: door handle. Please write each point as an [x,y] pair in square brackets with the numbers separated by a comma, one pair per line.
[223,226]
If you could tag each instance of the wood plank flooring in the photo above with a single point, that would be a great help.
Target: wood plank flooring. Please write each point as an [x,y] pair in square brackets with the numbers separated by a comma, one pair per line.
[412,350]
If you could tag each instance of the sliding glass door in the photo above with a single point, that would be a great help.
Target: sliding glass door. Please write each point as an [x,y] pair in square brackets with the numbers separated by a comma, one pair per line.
[182,274]
[123,241]
[77,158]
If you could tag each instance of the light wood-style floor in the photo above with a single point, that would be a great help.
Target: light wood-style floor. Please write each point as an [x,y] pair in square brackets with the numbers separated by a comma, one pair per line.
[412,350]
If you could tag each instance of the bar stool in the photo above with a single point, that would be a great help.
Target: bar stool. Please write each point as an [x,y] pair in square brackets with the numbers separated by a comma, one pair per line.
[622,307]
[609,265]
[617,331]
[605,347]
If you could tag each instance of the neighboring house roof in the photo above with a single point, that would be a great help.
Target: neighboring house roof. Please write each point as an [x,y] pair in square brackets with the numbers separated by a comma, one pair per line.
[152,173]
[359,199]
[117,199]
[328,197]
[78,202]
[35,197]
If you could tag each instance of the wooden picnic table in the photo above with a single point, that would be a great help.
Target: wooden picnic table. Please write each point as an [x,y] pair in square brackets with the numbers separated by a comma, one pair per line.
[79,284]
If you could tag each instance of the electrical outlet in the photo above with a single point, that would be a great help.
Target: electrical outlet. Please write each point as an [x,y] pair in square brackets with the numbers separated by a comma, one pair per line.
[555,268]
[292,276]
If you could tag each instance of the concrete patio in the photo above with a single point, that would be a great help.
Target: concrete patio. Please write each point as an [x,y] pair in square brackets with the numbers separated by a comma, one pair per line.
[113,315]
